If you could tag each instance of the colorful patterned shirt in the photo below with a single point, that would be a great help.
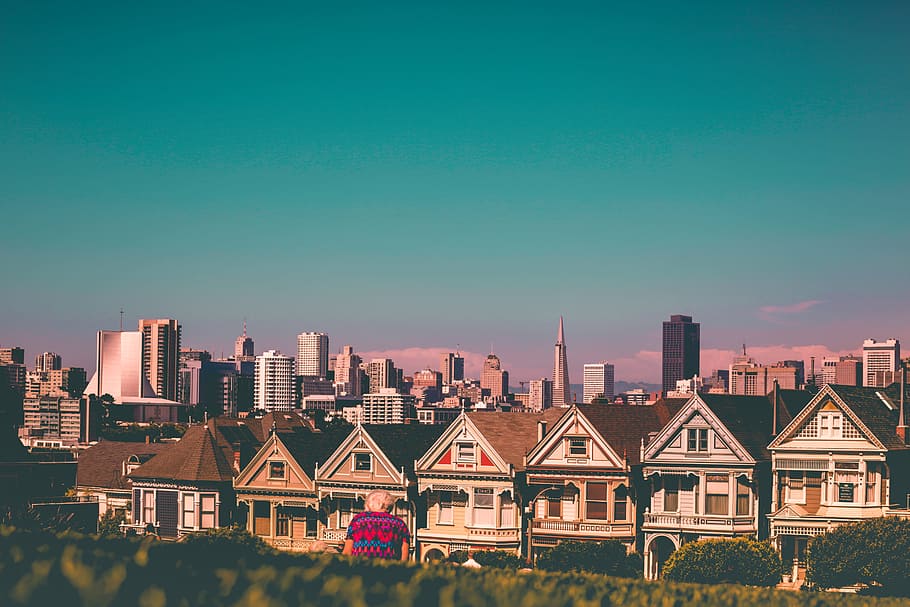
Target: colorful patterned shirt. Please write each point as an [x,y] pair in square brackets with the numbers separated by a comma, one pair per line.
[378,534]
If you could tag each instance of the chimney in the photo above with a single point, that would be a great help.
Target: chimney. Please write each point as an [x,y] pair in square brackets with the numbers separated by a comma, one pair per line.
[541,430]
[236,451]
[148,439]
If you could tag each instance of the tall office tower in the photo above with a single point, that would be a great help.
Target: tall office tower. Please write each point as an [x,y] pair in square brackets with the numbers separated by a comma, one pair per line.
[118,366]
[881,361]
[452,365]
[12,356]
[48,361]
[347,373]
[849,371]
[540,394]
[749,378]
[829,370]
[274,383]
[161,355]
[561,394]
[313,354]
[243,346]
[493,378]
[382,374]
[598,381]
[387,406]
[681,350]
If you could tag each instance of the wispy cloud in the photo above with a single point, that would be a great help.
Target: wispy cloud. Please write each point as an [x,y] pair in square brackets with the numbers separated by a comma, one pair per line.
[795,308]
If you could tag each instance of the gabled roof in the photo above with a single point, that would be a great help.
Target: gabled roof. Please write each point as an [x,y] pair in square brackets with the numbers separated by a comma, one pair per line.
[868,405]
[750,418]
[195,457]
[310,448]
[102,464]
[512,435]
[625,426]
[404,443]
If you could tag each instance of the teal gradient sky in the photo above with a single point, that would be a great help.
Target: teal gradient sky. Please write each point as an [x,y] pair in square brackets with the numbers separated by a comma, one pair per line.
[410,176]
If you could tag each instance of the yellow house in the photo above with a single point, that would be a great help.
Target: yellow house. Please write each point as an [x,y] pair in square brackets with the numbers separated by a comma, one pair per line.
[278,491]
[372,457]
[472,478]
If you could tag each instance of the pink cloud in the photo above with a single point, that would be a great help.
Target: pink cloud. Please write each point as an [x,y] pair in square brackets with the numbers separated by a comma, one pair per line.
[795,308]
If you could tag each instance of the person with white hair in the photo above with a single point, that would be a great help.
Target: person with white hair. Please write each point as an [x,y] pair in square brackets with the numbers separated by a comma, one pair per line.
[377,533]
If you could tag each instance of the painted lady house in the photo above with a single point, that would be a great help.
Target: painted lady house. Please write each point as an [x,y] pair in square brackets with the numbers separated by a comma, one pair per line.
[583,472]
[844,458]
[472,478]
[373,457]
[708,471]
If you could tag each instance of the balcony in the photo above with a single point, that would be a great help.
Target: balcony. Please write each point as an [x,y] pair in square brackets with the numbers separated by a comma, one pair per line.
[482,534]
[581,528]
[699,523]
[290,544]
[471,535]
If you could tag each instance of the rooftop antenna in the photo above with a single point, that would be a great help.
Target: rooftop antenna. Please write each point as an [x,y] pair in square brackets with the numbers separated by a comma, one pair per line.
[744,349]
[244,326]
[121,319]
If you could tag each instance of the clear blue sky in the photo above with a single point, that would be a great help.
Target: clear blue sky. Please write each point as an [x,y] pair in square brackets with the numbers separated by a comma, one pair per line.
[403,175]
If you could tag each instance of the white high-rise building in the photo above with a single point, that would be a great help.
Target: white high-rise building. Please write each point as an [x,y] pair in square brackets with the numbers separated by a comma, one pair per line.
[598,381]
[161,355]
[313,354]
[881,360]
[273,388]
[118,370]
[347,373]
[387,407]
[540,394]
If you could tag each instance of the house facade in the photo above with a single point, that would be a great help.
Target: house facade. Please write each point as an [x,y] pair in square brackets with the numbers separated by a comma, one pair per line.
[582,473]
[370,458]
[472,478]
[844,458]
[707,473]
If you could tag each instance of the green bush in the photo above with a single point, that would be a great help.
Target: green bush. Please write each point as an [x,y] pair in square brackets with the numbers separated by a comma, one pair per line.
[608,557]
[40,568]
[875,553]
[458,556]
[109,523]
[716,561]
[499,559]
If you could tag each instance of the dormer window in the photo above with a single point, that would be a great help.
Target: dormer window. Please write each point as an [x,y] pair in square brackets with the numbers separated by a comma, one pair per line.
[276,470]
[577,447]
[464,452]
[697,440]
[363,462]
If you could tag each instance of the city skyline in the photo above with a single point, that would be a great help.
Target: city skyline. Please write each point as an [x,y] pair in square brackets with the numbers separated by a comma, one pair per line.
[393,156]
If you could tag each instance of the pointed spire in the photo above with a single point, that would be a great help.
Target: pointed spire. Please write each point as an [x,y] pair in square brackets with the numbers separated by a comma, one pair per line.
[560,338]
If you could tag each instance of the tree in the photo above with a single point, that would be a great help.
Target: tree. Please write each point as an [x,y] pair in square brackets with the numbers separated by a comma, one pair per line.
[875,553]
[109,523]
[718,561]
[499,559]
[609,557]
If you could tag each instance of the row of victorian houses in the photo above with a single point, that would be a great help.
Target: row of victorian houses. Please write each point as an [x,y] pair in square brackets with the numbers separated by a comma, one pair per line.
[786,467]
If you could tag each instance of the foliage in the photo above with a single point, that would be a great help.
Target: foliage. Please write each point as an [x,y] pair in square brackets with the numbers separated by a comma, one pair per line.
[499,559]
[135,433]
[716,561]
[874,552]
[109,523]
[608,557]
[46,569]
[458,556]
[235,540]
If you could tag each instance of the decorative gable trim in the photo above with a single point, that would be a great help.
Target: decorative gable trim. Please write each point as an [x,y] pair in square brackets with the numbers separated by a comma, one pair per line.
[697,411]
[826,395]
[441,451]
[573,425]
[358,440]
[272,447]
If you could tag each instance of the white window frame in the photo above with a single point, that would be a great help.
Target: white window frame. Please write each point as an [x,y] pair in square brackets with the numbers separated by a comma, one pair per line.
[203,512]
[466,453]
[369,460]
[584,444]
[284,470]
[487,510]
[446,514]
[188,514]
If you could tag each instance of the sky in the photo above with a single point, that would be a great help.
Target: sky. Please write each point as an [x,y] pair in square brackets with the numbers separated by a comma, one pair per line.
[412,178]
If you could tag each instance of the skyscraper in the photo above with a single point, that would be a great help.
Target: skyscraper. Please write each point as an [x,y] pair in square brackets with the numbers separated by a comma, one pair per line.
[313,354]
[48,361]
[274,383]
[681,350]
[452,364]
[493,378]
[161,355]
[561,394]
[347,373]
[881,361]
[243,346]
[382,374]
[118,369]
[598,381]
[540,394]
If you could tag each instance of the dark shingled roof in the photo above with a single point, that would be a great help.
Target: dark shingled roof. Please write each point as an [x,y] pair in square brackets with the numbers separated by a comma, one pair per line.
[404,443]
[102,464]
[195,457]
[310,448]
[749,418]
[513,434]
[874,413]
[625,426]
